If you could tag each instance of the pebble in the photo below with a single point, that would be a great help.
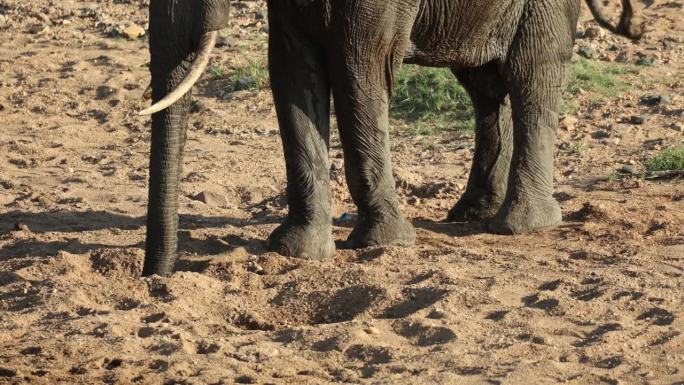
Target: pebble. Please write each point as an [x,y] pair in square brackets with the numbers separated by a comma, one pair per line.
[211,199]
[372,331]
[654,100]
[637,119]
[19,226]
[587,51]
[594,33]
[345,218]
[629,169]
[38,28]
[133,32]
[600,134]
[3,21]
[568,122]
[677,127]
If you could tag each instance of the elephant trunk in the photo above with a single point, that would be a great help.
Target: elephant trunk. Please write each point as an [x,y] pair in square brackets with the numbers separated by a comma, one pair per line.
[169,65]
[626,27]
[166,155]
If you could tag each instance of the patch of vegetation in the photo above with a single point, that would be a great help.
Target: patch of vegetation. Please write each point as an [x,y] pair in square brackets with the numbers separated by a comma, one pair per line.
[602,80]
[431,100]
[578,148]
[669,160]
[251,76]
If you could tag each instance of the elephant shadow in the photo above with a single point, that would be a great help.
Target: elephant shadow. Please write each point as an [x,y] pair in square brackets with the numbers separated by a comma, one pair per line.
[77,222]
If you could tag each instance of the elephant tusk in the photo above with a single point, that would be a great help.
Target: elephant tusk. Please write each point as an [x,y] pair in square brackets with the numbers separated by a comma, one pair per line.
[197,67]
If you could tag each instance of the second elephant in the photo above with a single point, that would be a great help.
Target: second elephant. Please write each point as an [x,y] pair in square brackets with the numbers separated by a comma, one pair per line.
[510,55]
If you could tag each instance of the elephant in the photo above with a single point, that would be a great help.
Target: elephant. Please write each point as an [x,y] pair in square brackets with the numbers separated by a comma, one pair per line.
[510,55]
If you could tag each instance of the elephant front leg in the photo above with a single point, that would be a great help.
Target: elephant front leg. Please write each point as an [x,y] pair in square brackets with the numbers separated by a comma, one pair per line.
[361,100]
[488,179]
[302,99]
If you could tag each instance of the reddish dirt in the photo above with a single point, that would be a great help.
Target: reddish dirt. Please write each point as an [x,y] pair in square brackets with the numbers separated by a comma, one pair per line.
[599,300]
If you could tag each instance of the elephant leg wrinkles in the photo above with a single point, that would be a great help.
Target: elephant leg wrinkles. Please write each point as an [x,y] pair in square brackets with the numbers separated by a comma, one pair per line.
[486,187]
[302,98]
[535,72]
[362,77]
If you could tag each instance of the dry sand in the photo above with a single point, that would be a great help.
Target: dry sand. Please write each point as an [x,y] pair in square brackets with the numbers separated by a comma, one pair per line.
[599,300]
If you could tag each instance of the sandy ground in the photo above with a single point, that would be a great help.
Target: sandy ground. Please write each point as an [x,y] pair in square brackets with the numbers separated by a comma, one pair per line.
[599,300]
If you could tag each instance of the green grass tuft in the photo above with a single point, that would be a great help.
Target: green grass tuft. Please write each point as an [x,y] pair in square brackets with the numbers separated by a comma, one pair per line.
[251,76]
[668,160]
[602,80]
[431,100]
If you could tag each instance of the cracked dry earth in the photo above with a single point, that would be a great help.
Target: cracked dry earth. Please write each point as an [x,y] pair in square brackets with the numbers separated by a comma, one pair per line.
[599,300]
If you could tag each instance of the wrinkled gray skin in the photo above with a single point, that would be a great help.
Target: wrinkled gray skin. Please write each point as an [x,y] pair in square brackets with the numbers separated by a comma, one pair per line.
[509,54]
[175,30]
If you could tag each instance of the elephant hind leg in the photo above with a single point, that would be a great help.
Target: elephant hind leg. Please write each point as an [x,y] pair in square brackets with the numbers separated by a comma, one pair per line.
[301,91]
[486,187]
[535,71]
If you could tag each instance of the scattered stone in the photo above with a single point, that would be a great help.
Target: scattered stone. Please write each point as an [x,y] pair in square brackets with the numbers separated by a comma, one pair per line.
[345,218]
[654,100]
[594,33]
[211,199]
[208,348]
[38,29]
[103,92]
[629,169]
[600,134]
[31,350]
[196,106]
[3,21]
[372,331]
[637,119]
[145,332]
[260,15]
[646,61]
[133,32]
[587,51]
[7,372]
[19,226]
[568,122]
[677,127]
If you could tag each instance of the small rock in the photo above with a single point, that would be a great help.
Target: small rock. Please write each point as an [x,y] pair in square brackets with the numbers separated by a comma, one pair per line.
[145,332]
[133,32]
[594,33]
[19,226]
[646,61]
[654,100]
[587,51]
[372,331]
[629,169]
[260,15]
[600,134]
[223,41]
[196,106]
[38,29]
[345,218]
[7,372]
[568,122]
[677,127]
[3,21]
[637,119]
[103,92]
[211,199]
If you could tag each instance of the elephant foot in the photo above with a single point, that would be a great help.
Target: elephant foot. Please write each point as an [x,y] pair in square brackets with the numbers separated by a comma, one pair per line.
[306,241]
[474,209]
[525,215]
[386,231]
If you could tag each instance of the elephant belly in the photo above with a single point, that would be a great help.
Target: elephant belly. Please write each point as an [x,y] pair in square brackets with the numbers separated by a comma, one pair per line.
[463,34]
